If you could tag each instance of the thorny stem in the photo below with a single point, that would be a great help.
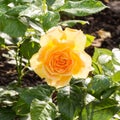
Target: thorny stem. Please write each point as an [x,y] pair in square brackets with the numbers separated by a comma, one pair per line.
[18,59]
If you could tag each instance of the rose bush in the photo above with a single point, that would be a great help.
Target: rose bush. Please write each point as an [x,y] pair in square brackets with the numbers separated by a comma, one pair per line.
[61,56]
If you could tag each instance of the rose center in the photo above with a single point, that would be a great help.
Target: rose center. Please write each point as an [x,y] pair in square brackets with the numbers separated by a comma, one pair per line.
[60,62]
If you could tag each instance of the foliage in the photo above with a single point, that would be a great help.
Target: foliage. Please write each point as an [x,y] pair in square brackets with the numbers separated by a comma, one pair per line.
[22,22]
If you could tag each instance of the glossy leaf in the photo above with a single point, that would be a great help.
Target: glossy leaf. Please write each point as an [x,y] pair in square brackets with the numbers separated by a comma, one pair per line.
[107,108]
[109,92]
[32,11]
[42,110]
[7,114]
[3,8]
[83,7]
[21,107]
[90,39]
[98,67]
[40,92]
[16,10]
[116,76]
[71,23]
[70,101]
[6,2]
[55,4]
[2,42]
[104,59]
[100,51]
[25,1]
[28,48]
[116,55]
[101,110]
[49,20]
[98,85]
[12,26]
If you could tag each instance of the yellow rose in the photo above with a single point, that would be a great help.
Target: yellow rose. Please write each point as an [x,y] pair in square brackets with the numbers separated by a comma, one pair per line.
[61,56]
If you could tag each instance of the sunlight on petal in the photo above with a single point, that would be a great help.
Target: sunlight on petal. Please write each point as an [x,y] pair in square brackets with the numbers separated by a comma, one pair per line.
[77,36]
[55,33]
[37,66]
[63,81]
[84,71]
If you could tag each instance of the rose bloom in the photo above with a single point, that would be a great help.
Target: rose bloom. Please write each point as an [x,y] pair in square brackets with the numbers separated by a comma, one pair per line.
[61,57]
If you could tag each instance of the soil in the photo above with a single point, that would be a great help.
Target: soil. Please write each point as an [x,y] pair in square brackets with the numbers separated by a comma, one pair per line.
[107,21]
[8,73]
[105,26]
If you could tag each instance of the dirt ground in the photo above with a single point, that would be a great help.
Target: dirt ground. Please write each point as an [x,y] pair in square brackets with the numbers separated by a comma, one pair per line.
[105,26]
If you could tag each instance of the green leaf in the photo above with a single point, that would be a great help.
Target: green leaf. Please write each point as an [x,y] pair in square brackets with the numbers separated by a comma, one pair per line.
[21,107]
[2,42]
[71,23]
[102,58]
[32,11]
[40,92]
[7,114]
[25,1]
[49,20]
[107,108]
[98,85]
[100,51]
[116,76]
[16,10]
[6,2]
[83,7]
[55,4]
[116,56]
[70,101]
[42,110]
[108,68]
[100,110]
[3,8]
[97,68]
[109,92]
[28,48]
[12,26]
[90,39]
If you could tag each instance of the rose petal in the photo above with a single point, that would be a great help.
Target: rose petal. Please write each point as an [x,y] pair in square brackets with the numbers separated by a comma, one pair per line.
[55,33]
[78,38]
[83,73]
[78,63]
[63,81]
[37,66]
[61,56]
